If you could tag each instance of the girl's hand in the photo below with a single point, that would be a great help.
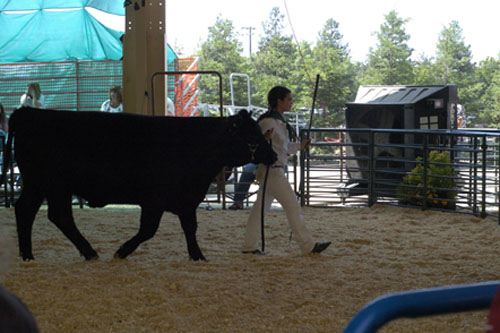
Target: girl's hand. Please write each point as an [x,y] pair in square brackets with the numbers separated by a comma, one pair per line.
[269,134]
[305,143]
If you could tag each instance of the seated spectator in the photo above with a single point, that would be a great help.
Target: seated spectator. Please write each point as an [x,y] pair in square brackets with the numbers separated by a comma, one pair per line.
[114,103]
[461,119]
[4,121]
[170,107]
[241,188]
[33,97]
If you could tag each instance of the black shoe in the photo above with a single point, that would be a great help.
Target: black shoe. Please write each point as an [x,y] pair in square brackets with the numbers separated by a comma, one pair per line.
[320,247]
[256,251]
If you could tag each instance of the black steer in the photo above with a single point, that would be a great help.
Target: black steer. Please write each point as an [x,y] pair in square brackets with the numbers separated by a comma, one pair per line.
[159,163]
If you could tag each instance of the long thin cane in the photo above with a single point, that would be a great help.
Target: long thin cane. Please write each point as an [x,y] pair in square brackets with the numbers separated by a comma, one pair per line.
[312,110]
[262,208]
[301,186]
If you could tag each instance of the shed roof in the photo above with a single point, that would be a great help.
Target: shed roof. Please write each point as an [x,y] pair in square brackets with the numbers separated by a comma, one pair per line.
[395,95]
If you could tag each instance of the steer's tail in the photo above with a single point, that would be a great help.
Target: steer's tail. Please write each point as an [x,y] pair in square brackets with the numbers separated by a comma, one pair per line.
[7,151]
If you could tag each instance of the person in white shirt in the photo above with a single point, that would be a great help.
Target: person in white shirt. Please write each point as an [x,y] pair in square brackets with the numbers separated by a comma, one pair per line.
[276,129]
[33,97]
[4,122]
[170,107]
[114,103]
[461,119]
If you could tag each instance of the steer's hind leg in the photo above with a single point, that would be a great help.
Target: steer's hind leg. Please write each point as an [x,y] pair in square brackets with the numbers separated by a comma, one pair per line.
[61,214]
[189,225]
[26,208]
[150,220]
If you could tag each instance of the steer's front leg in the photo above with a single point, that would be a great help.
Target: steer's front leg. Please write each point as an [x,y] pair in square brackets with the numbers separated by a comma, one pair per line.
[189,225]
[150,220]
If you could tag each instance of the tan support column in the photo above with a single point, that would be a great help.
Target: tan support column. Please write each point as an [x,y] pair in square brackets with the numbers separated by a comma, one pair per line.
[144,54]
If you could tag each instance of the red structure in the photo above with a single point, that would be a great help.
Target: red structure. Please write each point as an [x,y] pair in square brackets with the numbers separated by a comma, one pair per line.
[186,88]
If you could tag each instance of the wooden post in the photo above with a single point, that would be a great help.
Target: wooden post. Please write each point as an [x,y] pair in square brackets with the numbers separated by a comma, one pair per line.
[144,54]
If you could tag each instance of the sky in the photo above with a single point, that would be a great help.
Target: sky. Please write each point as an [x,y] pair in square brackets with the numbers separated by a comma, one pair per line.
[187,22]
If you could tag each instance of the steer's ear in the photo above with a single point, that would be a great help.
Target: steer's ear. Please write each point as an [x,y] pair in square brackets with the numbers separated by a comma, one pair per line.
[244,113]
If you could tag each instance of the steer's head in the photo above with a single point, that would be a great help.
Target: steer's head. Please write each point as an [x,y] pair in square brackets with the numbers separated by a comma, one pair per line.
[247,142]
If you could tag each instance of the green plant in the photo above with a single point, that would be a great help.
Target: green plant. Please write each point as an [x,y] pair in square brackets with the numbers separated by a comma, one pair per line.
[440,191]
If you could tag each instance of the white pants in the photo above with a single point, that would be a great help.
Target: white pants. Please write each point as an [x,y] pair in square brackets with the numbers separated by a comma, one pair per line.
[278,187]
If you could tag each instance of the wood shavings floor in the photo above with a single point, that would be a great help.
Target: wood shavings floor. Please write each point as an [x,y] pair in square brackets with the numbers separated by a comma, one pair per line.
[374,251]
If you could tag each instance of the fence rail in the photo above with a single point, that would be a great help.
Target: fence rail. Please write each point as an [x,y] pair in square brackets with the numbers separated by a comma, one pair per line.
[431,169]
[361,167]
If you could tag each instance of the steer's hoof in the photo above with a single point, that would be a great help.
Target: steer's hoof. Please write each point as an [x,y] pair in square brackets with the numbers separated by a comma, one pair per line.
[199,258]
[93,257]
[27,257]
[118,255]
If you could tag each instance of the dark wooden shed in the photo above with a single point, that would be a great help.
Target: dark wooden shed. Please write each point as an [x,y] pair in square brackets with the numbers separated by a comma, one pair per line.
[396,107]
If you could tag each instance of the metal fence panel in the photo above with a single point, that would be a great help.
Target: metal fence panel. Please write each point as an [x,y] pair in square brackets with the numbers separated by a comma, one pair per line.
[430,169]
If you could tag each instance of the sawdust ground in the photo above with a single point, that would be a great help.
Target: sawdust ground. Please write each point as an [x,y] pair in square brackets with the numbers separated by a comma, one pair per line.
[374,251]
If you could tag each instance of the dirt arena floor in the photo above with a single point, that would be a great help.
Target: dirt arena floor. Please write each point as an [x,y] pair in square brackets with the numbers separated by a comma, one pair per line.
[374,251]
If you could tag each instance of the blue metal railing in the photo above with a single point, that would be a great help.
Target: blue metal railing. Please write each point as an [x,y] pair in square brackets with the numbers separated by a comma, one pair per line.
[420,303]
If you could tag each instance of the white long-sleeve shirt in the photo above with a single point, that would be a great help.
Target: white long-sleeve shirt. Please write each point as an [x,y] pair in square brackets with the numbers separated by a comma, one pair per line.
[29,101]
[280,141]
[106,106]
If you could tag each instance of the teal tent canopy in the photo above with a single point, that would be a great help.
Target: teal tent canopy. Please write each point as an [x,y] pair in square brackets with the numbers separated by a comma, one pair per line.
[57,30]
[108,6]
[6,5]
[171,56]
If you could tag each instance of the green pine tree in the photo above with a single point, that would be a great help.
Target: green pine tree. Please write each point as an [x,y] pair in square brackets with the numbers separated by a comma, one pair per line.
[333,63]
[390,63]
[274,62]
[454,66]
[221,52]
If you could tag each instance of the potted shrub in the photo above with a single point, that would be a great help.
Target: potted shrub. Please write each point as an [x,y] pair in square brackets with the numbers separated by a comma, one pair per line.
[440,192]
